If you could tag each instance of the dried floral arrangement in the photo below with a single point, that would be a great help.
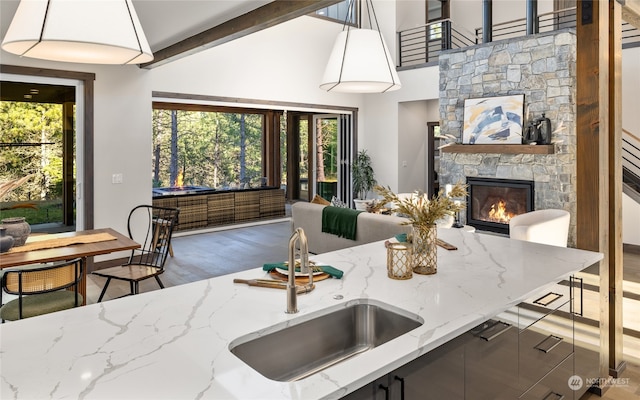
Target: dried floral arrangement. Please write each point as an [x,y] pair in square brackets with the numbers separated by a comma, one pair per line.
[422,211]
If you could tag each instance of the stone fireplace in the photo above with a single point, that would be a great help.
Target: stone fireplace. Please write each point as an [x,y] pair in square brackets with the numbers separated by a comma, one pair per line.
[543,68]
[493,202]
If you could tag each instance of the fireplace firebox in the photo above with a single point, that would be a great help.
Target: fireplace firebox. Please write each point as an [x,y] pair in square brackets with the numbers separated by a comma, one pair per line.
[493,202]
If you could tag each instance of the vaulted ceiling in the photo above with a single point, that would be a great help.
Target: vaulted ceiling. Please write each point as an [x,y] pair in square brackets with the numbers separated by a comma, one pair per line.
[175,29]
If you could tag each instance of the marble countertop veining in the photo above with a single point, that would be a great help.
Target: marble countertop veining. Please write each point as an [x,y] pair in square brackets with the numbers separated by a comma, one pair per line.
[174,343]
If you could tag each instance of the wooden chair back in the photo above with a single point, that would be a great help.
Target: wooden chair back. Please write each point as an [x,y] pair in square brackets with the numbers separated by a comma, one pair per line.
[152,227]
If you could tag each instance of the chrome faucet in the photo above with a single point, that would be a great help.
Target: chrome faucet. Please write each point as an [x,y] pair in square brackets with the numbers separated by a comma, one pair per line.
[298,247]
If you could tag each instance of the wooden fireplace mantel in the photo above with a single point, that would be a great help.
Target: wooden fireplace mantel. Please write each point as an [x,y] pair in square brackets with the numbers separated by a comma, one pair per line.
[499,148]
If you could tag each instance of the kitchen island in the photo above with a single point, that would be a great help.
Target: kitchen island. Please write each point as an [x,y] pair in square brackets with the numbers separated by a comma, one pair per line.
[174,343]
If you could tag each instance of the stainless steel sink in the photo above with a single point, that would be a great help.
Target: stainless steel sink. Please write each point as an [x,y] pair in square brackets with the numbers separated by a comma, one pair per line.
[295,350]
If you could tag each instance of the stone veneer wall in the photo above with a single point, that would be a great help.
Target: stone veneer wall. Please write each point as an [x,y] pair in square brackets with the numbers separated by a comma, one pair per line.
[543,68]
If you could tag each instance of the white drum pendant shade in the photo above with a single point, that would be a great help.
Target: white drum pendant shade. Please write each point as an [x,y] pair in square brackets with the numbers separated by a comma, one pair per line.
[89,31]
[360,63]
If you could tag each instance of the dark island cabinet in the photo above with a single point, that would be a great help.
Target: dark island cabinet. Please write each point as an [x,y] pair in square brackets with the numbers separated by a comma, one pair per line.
[527,352]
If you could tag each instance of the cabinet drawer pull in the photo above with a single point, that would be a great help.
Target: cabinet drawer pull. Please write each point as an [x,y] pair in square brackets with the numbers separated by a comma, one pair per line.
[572,284]
[494,330]
[397,378]
[386,391]
[554,396]
[548,344]
[547,299]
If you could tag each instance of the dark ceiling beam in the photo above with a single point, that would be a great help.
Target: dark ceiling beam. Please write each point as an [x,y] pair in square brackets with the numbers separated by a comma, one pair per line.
[631,11]
[269,15]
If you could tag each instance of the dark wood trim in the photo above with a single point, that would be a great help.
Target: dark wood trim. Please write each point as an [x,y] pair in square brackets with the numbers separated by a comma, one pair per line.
[238,100]
[614,208]
[430,157]
[269,15]
[591,153]
[87,79]
[159,105]
[271,149]
[293,154]
[499,148]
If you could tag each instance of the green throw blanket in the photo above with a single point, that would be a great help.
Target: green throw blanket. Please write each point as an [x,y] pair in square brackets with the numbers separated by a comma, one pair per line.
[340,221]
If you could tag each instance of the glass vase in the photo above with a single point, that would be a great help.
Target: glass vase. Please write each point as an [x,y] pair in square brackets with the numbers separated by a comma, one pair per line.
[425,252]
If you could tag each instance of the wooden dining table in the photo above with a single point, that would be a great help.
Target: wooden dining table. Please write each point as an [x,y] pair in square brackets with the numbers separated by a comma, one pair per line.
[75,247]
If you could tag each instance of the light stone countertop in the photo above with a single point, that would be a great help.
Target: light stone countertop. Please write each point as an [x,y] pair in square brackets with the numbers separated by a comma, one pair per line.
[174,343]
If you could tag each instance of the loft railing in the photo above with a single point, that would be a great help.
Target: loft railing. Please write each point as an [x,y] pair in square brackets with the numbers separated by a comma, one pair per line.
[424,44]
[631,160]
[552,21]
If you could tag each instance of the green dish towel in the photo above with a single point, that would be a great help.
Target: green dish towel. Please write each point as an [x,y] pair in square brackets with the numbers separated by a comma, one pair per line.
[334,272]
[340,221]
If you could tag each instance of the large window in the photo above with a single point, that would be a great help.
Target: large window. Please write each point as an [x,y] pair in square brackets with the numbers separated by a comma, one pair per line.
[212,148]
[37,140]
[340,12]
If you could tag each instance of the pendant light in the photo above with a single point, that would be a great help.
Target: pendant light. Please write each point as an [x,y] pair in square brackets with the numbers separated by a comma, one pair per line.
[79,31]
[360,61]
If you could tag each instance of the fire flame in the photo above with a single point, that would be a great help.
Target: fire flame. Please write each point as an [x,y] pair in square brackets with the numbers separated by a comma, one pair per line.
[499,213]
[179,180]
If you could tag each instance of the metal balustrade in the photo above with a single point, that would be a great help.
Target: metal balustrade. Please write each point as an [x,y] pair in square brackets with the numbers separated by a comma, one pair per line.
[422,45]
[631,161]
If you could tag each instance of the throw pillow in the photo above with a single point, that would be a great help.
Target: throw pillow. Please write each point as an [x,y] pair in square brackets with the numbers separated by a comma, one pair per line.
[336,202]
[320,200]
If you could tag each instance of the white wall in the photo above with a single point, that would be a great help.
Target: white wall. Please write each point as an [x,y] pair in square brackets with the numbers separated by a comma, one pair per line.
[413,146]
[282,63]
[631,123]
[630,90]
[380,113]
[410,14]
[630,218]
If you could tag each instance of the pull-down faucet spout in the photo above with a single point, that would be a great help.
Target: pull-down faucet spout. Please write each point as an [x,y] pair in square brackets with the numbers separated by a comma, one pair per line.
[298,246]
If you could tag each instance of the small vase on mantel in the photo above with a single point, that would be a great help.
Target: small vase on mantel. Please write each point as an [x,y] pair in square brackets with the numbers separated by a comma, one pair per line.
[18,228]
[425,252]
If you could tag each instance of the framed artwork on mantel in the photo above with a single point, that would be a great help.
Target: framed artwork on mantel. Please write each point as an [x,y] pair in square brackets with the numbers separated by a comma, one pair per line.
[493,120]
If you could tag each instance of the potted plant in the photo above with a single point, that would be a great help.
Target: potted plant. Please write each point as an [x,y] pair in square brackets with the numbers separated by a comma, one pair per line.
[363,179]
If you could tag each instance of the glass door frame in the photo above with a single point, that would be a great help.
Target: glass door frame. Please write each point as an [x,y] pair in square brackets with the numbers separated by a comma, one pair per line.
[314,146]
[84,129]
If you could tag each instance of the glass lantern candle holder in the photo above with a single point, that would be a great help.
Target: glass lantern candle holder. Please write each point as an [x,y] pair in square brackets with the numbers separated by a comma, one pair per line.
[399,261]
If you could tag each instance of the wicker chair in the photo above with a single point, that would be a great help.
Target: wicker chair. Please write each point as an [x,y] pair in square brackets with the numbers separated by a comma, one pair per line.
[152,227]
[41,290]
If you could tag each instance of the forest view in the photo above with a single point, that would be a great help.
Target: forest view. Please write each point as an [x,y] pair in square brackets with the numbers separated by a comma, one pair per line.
[31,137]
[202,148]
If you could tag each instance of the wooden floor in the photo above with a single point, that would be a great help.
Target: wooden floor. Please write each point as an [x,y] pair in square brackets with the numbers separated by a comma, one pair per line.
[205,255]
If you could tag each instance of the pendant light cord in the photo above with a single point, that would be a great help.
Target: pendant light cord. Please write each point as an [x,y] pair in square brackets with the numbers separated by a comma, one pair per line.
[44,22]
[370,10]
[344,51]
[135,31]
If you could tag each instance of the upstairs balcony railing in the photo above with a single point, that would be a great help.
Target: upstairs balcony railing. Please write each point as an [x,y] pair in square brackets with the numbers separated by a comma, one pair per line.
[422,45]
[552,21]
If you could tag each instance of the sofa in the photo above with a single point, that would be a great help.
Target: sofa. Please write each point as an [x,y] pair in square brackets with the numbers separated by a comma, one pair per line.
[370,228]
